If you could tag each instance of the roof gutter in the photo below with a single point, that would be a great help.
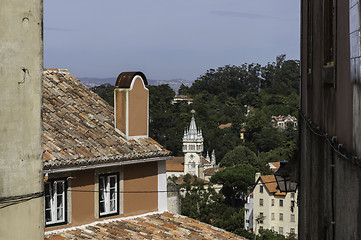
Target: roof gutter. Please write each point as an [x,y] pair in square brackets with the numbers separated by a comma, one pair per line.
[103,165]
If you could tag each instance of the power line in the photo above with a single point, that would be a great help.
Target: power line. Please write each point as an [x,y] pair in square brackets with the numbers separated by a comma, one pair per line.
[12,200]
[331,141]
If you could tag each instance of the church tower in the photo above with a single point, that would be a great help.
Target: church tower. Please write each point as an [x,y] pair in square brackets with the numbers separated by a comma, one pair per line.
[192,148]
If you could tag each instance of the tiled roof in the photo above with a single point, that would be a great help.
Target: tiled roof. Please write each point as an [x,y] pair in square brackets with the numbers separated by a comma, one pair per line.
[204,160]
[175,165]
[223,126]
[271,184]
[274,166]
[155,226]
[212,171]
[78,126]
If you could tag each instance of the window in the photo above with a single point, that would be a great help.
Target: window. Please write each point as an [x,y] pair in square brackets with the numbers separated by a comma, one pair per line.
[261,217]
[292,206]
[280,230]
[55,200]
[185,147]
[108,194]
[293,195]
[355,51]
[192,165]
[261,228]
[261,202]
[273,228]
[272,216]
[281,216]
[292,218]
[329,41]
[292,230]
[272,202]
[260,189]
[281,203]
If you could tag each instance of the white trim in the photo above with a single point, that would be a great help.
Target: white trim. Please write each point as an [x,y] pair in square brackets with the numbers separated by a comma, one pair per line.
[53,204]
[132,83]
[162,186]
[101,165]
[137,137]
[115,109]
[127,113]
[107,198]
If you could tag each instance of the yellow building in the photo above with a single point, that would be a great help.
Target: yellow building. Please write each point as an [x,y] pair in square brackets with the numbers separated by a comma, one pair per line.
[273,209]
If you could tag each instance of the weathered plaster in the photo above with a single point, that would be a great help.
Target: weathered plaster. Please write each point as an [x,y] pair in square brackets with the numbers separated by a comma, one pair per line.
[21,61]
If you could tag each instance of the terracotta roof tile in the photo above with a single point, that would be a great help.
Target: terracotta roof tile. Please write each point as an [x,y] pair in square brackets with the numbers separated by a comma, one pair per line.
[211,171]
[79,126]
[156,226]
[271,184]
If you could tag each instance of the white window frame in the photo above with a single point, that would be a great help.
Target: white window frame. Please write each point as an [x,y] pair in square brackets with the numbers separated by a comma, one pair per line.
[261,201]
[281,202]
[293,218]
[281,216]
[272,202]
[272,216]
[280,230]
[52,198]
[105,180]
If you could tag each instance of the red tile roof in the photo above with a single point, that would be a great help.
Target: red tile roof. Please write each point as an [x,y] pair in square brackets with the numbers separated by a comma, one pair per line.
[227,125]
[78,126]
[276,165]
[155,226]
[271,184]
[211,171]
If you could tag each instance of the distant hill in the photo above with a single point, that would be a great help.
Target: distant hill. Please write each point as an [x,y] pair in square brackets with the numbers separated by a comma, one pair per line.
[173,83]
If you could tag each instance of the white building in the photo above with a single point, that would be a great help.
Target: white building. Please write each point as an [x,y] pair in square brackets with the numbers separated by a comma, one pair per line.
[193,162]
[271,208]
[248,213]
[192,149]
[284,121]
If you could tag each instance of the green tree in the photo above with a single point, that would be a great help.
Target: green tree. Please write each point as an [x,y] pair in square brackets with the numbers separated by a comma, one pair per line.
[105,91]
[239,155]
[235,182]
[267,234]
[183,89]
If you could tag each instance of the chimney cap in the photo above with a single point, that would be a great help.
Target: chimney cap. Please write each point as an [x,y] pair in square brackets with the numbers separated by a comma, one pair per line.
[124,79]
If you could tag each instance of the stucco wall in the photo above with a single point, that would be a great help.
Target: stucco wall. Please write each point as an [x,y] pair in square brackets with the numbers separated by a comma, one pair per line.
[21,63]
[267,209]
[138,109]
[138,186]
[143,180]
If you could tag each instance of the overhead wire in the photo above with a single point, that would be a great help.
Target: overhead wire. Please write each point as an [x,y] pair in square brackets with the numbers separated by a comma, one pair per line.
[331,141]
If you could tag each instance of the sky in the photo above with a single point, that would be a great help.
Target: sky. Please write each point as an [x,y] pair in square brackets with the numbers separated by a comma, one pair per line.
[167,39]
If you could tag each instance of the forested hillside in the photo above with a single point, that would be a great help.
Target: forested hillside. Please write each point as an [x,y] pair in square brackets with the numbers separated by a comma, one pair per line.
[222,96]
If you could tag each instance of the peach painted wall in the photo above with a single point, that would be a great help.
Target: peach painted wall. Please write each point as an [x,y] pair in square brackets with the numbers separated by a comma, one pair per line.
[140,177]
[82,207]
[120,109]
[138,109]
